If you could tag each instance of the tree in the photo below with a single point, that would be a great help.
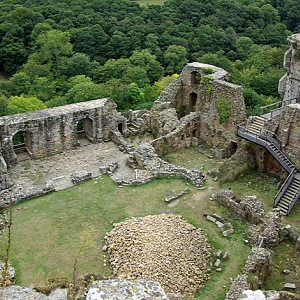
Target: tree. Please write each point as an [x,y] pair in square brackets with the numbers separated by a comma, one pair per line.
[43,88]
[53,53]
[80,64]
[137,75]
[3,105]
[84,91]
[20,83]
[20,104]
[243,45]
[13,52]
[113,68]
[134,95]
[148,62]
[175,59]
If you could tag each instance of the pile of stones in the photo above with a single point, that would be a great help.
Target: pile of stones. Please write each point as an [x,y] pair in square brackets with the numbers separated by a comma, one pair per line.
[164,248]
[221,223]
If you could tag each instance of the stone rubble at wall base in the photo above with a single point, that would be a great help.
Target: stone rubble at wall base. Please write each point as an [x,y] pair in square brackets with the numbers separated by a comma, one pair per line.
[126,289]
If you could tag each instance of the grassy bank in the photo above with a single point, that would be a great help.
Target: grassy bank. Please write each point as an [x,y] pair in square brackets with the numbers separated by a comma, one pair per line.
[47,230]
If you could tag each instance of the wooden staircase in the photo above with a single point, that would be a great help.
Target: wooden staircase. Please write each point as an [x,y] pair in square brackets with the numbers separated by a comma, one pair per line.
[290,189]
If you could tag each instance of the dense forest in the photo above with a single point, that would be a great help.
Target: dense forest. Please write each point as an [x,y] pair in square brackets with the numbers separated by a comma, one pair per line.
[58,52]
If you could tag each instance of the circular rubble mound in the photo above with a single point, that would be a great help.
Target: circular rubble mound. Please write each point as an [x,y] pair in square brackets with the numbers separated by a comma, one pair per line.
[162,247]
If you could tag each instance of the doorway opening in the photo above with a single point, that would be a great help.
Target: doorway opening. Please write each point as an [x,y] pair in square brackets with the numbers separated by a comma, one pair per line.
[85,131]
[22,145]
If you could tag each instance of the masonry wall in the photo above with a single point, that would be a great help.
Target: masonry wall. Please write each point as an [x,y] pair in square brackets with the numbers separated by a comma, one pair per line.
[54,130]
[289,84]
[197,89]
[183,136]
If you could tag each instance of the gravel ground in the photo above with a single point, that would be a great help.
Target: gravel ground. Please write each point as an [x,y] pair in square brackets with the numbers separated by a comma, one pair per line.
[162,247]
[59,167]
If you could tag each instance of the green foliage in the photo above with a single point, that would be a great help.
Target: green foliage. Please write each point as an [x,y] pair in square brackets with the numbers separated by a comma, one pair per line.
[3,105]
[126,43]
[223,108]
[84,91]
[20,104]
[175,59]
[20,83]
[208,70]
[206,79]
[134,95]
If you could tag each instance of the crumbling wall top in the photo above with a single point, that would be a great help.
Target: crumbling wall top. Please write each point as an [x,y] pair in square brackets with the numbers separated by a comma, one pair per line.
[218,74]
[294,39]
[54,111]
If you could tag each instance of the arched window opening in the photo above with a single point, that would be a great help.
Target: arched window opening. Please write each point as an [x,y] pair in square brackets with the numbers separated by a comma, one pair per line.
[85,131]
[22,145]
[193,100]
[195,77]
[120,128]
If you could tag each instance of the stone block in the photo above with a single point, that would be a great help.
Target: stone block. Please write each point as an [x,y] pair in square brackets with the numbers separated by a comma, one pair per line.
[227,232]
[225,256]
[220,225]
[217,263]
[211,219]
[219,253]
[289,286]
[114,289]
[78,177]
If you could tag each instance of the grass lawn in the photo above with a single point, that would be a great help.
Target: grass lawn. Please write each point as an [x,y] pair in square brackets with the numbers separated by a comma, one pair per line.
[47,231]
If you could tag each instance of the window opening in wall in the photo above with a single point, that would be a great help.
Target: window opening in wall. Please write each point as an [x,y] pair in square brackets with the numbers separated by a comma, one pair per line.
[193,100]
[22,145]
[194,133]
[233,147]
[195,77]
[120,128]
[85,131]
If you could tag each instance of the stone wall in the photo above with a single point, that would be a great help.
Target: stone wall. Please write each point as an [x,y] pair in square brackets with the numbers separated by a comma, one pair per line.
[289,84]
[250,208]
[197,89]
[184,135]
[54,130]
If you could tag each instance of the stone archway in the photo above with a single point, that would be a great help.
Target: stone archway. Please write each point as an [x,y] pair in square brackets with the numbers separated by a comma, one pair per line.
[22,145]
[85,131]
[195,77]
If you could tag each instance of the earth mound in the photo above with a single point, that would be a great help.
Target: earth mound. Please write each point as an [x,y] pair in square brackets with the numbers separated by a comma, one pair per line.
[162,247]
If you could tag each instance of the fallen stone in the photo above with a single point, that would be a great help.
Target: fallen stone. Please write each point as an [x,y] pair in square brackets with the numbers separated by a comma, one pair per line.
[225,256]
[218,217]
[252,295]
[289,286]
[220,225]
[81,176]
[219,269]
[227,232]
[217,263]
[125,289]
[219,253]
[211,219]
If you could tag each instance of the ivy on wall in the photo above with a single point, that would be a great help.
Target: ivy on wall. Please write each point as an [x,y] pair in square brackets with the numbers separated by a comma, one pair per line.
[223,107]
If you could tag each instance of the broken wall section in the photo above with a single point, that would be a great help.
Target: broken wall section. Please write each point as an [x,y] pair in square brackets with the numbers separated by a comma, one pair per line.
[219,105]
[54,130]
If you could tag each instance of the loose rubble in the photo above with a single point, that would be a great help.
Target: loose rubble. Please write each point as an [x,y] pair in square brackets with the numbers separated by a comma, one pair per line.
[124,289]
[164,248]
